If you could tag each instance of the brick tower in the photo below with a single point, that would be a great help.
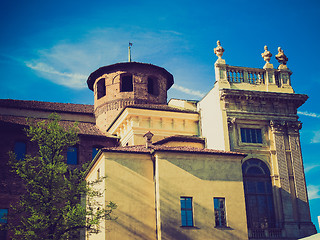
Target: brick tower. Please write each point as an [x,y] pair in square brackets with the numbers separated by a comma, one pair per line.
[119,85]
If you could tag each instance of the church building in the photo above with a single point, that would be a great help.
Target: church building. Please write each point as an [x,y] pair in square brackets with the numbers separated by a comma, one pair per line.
[226,167]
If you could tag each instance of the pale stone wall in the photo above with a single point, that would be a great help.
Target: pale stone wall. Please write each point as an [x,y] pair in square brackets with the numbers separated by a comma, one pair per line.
[211,120]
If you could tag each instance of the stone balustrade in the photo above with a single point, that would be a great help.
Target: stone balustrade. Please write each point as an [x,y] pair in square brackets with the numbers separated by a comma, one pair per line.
[245,75]
[259,79]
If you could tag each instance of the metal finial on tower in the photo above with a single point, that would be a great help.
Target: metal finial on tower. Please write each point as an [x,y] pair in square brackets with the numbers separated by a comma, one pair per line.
[129,52]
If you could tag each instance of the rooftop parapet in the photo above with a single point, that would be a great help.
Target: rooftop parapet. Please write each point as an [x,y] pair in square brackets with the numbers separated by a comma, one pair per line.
[254,79]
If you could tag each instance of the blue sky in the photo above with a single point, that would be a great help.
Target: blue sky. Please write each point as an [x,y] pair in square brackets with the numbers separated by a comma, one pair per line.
[49,48]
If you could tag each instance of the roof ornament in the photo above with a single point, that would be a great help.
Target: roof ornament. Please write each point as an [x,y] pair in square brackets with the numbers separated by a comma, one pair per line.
[218,50]
[266,54]
[129,52]
[282,58]
[148,136]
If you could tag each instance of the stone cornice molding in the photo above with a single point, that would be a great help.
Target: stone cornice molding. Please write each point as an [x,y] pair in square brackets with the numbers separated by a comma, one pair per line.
[298,99]
[261,102]
[280,126]
[294,126]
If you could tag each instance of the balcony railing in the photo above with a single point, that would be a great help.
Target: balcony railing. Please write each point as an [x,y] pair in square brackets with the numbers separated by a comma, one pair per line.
[245,75]
[271,233]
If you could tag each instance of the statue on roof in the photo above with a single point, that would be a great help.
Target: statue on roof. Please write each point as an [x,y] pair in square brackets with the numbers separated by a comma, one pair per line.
[218,50]
[281,57]
[266,54]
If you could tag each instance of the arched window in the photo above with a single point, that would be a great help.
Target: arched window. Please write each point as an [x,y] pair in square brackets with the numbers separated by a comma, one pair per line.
[101,88]
[126,84]
[258,194]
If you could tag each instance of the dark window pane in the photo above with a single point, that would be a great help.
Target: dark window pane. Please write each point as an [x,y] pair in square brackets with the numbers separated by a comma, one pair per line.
[251,187]
[219,211]
[72,156]
[186,211]
[101,88]
[254,170]
[95,150]
[259,204]
[3,215]
[20,150]
[126,83]
[251,135]
[261,187]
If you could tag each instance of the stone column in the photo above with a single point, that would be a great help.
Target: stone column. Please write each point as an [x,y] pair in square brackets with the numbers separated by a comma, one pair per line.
[279,133]
[301,198]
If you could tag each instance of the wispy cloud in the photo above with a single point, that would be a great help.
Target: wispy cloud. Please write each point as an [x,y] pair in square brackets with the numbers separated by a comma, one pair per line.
[309,114]
[313,192]
[188,91]
[307,168]
[70,63]
[72,80]
[316,137]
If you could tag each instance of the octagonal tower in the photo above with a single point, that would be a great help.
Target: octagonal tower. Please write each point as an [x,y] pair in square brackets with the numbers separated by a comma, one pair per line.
[122,84]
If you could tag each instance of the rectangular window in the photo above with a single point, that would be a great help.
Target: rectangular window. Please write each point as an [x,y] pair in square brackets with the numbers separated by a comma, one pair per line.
[95,150]
[126,83]
[186,211]
[3,216]
[251,135]
[20,150]
[72,155]
[220,212]
[3,222]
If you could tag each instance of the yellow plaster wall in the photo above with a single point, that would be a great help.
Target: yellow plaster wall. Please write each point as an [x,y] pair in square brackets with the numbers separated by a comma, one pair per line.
[133,123]
[130,185]
[93,176]
[183,144]
[202,177]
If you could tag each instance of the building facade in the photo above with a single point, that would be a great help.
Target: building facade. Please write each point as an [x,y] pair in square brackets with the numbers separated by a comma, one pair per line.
[226,167]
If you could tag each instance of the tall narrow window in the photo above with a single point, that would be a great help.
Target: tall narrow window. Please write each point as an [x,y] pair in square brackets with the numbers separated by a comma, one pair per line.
[258,194]
[186,211]
[153,86]
[95,151]
[220,212]
[101,88]
[251,135]
[20,150]
[3,222]
[126,84]
[72,155]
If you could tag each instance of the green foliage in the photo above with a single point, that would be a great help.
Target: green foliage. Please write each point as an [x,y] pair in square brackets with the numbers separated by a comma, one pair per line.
[53,206]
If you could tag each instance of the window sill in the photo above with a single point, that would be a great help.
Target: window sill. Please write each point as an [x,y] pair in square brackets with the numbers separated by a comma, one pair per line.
[223,228]
[189,227]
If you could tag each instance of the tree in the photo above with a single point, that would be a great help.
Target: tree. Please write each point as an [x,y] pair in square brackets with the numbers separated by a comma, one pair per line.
[53,205]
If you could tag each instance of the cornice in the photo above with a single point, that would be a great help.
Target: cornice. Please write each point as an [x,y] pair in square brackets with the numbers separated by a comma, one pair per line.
[298,99]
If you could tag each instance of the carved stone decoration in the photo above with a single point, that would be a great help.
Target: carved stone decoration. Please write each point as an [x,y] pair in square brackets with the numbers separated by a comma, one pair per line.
[231,122]
[266,54]
[294,126]
[218,50]
[277,125]
[281,57]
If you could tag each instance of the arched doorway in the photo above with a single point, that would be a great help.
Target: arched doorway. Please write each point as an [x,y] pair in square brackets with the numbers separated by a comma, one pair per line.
[258,195]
